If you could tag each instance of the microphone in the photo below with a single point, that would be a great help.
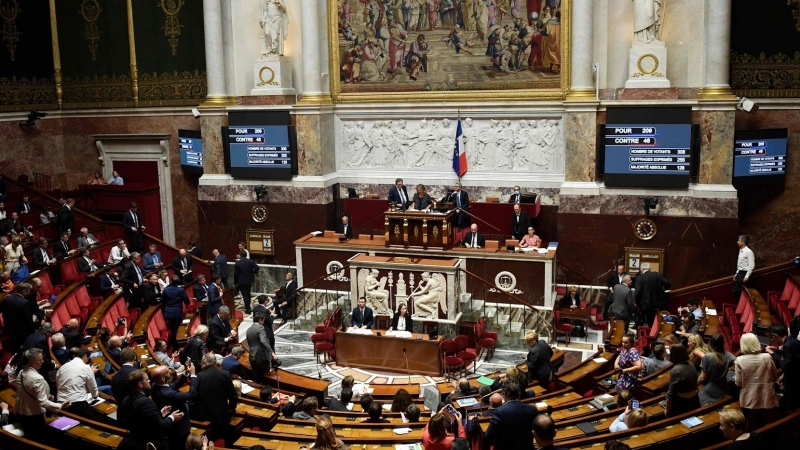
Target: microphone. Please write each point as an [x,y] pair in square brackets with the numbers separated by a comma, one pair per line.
[408,371]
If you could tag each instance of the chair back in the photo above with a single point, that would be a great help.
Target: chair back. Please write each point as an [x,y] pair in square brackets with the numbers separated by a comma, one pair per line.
[450,347]
[330,334]
[557,315]
[462,341]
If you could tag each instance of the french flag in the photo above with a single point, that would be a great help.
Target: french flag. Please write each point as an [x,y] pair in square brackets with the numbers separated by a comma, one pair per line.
[459,154]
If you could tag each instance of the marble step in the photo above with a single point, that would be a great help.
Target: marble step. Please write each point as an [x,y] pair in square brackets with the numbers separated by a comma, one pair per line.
[490,313]
[464,298]
[502,320]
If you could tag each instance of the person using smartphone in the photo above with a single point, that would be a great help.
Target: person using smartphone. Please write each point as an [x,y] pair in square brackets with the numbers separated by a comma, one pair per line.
[435,436]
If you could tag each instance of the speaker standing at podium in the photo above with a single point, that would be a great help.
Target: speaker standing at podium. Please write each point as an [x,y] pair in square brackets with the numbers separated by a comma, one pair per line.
[460,200]
[398,195]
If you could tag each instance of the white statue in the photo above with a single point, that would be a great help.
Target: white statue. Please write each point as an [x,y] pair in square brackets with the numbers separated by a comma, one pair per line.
[401,286]
[274,24]
[430,295]
[374,291]
[646,20]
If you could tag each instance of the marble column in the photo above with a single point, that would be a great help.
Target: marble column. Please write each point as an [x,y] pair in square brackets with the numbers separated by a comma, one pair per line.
[212,119]
[227,45]
[215,53]
[580,159]
[581,79]
[716,80]
[313,93]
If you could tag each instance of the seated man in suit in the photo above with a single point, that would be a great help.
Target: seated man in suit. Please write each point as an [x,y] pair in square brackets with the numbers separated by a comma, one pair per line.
[340,404]
[86,263]
[109,282]
[544,432]
[516,196]
[200,289]
[41,257]
[119,252]
[362,316]
[398,195]
[345,228]
[183,265]
[116,345]
[60,351]
[61,249]
[520,221]
[86,239]
[152,259]
[512,424]
[473,239]
[72,335]
[220,333]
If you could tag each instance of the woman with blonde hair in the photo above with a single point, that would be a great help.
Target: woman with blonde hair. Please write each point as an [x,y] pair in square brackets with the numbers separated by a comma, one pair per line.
[15,255]
[755,375]
[697,349]
[631,418]
[422,201]
[326,438]
[732,426]
[198,442]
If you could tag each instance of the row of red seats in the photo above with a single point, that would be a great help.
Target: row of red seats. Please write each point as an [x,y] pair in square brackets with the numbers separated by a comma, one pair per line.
[77,304]
[784,305]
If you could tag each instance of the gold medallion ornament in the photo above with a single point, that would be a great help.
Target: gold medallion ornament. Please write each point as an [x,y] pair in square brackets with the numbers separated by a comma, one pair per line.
[90,10]
[172,27]
[645,229]
[259,213]
[9,12]
[650,71]
[269,81]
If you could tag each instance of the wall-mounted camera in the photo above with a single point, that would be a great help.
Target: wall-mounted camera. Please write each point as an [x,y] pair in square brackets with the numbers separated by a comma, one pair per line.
[261,193]
[650,203]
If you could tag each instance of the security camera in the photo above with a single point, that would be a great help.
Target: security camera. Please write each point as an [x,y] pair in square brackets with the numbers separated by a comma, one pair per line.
[261,192]
[747,105]
[650,203]
[196,113]
[33,116]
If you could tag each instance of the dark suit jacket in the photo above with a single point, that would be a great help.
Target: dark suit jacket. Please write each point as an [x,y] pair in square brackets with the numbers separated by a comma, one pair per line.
[214,396]
[129,275]
[467,240]
[119,383]
[218,330]
[367,320]
[519,229]
[148,260]
[65,220]
[174,298]
[622,302]
[220,266]
[511,426]
[61,354]
[566,301]
[613,280]
[214,299]
[650,287]
[140,415]
[515,198]
[288,293]
[244,272]
[73,338]
[38,258]
[17,318]
[195,348]
[38,340]
[200,292]
[394,196]
[170,395]
[348,233]
[538,361]
[176,263]
[106,281]
[196,251]
[153,293]
[21,207]
[84,266]
[334,404]
[60,249]
[127,221]
[409,321]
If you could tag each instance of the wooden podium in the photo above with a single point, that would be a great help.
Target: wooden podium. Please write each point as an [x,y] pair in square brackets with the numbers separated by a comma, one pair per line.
[415,229]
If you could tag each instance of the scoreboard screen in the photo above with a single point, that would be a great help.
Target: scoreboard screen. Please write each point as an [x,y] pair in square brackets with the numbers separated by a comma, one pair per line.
[264,152]
[759,156]
[190,146]
[652,154]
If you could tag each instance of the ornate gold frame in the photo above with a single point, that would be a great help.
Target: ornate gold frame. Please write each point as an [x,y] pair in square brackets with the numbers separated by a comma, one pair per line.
[451,96]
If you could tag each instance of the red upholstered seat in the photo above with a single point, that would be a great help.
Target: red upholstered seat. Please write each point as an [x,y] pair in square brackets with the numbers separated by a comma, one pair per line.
[483,343]
[485,333]
[598,323]
[327,346]
[468,355]
[69,272]
[561,328]
[452,363]
[48,288]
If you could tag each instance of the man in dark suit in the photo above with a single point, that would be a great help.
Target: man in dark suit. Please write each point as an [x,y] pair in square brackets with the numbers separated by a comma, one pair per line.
[166,392]
[195,346]
[220,333]
[73,336]
[622,301]
[133,277]
[520,221]
[25,206]
[544,432]
[261,353]
[17,317]
[132,221]
[61,249]
[183,264]
[460,200]
[116,344]
[398,195]
[33,298]
[194,250]
[616,277]
[152,259]
[41,257]
[243,275]
[516,196]
[174,297]
[108,282]
[286,301]
[345,228]
[140,415]
[650,293]
[119,382]
[39,339]
[219,265]
[340,404]
[200,289]
[65,221]
[152,291]
[60,351]
[214,296]
[362,316]
[512,424]
[86,263]
[214,396]
[473,239]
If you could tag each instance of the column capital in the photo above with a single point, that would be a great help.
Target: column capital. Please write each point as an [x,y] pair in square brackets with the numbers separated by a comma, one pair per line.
[716,93]
[314,99]
[581,95]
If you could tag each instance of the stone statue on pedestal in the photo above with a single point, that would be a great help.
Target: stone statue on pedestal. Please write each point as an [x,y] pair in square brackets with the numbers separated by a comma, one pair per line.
[274,24]
[646,20]
[647,59]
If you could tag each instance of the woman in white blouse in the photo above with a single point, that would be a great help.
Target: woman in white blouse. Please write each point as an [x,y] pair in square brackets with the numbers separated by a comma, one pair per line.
[163,279]
[33,395]
[15,255]
[402,319]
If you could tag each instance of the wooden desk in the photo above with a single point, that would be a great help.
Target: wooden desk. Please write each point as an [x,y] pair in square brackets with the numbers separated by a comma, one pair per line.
[418,229]
[371,351]
[579,314]
[387,391]
[376,430]
[580,377]
[298,383]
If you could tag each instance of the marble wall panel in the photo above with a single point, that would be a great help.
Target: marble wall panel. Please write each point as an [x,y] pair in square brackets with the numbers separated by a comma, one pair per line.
[502,190]
[716,142]
[681,206]
[275,194]
[581,146]
[34,149]
[313,140]
[213,152]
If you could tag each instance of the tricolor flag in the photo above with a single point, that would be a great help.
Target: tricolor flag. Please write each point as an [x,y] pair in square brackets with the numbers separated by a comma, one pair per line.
[459,153]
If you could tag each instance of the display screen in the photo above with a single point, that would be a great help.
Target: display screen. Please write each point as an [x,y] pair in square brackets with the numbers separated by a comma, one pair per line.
[651,148]
[190,146]
[260,147]
[759,156]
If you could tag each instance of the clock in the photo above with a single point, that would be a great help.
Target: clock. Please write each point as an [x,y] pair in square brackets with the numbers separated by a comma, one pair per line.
[645,229]
[259,213]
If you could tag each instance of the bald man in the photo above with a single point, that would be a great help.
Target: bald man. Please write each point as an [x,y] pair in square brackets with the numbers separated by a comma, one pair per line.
[72,335]
[182,265]
[166,392]
[219,266]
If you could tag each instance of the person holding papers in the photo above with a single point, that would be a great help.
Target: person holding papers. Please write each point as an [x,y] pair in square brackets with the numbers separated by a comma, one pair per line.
[402,320]
[362,316]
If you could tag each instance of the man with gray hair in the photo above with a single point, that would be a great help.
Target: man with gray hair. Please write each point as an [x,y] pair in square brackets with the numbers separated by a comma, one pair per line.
[261,353]
[651,293]
[86,239]
[745,264]
[213,394]
[39,339]
[622,301]
[60,351]
[220,333]
[231,364]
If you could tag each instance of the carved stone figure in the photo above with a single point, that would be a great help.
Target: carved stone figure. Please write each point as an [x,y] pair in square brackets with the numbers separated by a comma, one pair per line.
[646,20]
[430,295]
[274,24]
[401,285]
[374,291]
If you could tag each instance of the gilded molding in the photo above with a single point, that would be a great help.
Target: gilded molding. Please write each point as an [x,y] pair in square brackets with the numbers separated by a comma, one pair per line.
[132,51]
[56,55]
[172,89]
[765,76]
[9,12]
[19,94]
[90,10]
[509,94]
[98,91]
[172,26]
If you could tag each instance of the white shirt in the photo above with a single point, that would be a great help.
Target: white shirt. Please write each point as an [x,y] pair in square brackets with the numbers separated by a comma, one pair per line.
[746,261]
[75,382]
[117,255]
[401,324]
